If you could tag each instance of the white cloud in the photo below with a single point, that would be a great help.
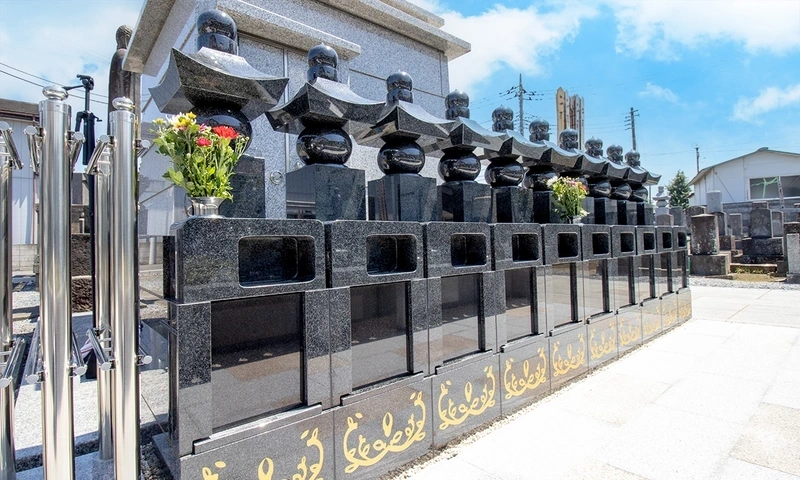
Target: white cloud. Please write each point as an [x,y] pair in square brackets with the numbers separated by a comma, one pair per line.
[654,91]
[660,27]
[518,38]
[769,99]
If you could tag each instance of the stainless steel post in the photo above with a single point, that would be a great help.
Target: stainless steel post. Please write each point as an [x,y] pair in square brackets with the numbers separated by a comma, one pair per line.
[99,167]
[9,353]
[55,289]
[124,290]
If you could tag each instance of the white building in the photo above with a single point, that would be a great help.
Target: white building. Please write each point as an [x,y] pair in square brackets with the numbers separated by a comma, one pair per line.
[760,175]
[23,187]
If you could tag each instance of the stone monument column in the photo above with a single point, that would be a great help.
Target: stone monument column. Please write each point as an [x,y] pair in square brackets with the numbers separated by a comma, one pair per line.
[122,83]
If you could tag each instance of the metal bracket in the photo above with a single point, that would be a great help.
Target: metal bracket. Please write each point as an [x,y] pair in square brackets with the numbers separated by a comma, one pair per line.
[104,148]
[77,367]
[10,366]
[76,141]
[143,358]
[33,367]
[10,148]
[35,135]
[102,348]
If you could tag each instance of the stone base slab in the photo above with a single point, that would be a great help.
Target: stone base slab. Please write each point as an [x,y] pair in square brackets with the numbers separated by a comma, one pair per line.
[707,265]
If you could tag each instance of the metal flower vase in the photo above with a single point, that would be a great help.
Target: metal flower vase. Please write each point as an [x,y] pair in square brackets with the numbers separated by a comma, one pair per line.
[205,206]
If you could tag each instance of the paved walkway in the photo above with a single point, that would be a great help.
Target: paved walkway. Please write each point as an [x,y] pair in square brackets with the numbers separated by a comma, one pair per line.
[716,398]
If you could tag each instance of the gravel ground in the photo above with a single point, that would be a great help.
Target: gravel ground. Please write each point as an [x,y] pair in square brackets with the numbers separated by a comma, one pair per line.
[721,282]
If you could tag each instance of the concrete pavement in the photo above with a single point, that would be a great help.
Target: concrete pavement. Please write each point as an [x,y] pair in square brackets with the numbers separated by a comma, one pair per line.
[715,398]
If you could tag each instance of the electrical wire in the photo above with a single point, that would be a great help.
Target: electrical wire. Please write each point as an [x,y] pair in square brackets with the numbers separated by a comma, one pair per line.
[42,78]
[43,86]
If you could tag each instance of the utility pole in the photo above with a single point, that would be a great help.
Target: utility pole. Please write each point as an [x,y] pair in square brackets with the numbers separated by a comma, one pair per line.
[631,122]
[697,154]
[522,95]
[520,91]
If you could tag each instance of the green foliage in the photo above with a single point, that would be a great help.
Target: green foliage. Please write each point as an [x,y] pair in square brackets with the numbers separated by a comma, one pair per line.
[569,194]
[679,190]
[202,157]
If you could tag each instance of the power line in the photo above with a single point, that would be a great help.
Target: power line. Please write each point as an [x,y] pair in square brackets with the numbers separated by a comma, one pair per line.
[42,78]
[43,86]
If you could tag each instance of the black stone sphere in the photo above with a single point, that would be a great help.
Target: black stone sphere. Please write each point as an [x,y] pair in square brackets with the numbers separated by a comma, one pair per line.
[457,105]
[504,173]
[594,147]
[614,153]
[632,159]
[214,116]
[502,119]
[537,177]
[459,166]
[323,62]
[324,145]
[217,30]
[600,189]
[639,194]
[539,129]
[568,139]
[401,156]
[399,86]
[621,192]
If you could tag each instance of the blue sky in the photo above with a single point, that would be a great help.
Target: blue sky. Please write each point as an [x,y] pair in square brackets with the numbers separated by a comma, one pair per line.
[721,75]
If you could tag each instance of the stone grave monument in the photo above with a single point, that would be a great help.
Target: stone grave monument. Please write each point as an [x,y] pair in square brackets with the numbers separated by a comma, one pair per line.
[706,259]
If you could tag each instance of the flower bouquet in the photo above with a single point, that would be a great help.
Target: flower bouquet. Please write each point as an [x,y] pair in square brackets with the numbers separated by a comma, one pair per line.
[569,194]
[203,157]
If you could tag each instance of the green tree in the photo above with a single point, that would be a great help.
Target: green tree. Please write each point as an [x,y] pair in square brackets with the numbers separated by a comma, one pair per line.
[679,190]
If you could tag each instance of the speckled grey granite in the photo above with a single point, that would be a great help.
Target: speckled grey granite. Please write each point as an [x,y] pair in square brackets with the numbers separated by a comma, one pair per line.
[596,242]
[512,205]
[516,245]
[568,354]
[605,211]
[677,215]
[465,202]
[629,328]
[665,238]
[544,208]
[646,241]
[341,356]
[248,190]
[626,212]
[493,306]
[362,253]
[326,192]
[316,348]
[645,214]
[457,248]
[420,326]
[680,237]
[623,240]
[403,197]
[561,244]
[405,410]
[466,397]
[525,372]
[277,256]
[435,347]
[603,343]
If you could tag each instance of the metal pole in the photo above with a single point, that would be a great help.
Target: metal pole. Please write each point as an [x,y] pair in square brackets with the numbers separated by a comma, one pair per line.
[99,169]
[55,289]
[124,291]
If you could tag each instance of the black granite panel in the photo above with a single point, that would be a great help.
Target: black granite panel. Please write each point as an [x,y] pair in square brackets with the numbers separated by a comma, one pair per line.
[622,279]
[646,277]
[420,361]
[169,272]
[519,299]
[466,396]
[626,212]
[595,242]
[596,288]
[662,267]
[645,214]
[269,260]
[629,327]
[562,243]
[257,364]
[512,205]
[516,245]
[561,296]
[568,354]
[680,238]
[602,332]
[684,304]
[383,431]
[681,270]
[207,265]
[316,339]
[669,310]
[544,208]
[340,340]
[284,450]
[526,370]
[544,325]
[651,318]
[247,185]
[646,240]
[588,206]
[361,253]
[665,238]
[404,197]
[435,346]
[380,333]
[190,382]
[461,322]
[605,211]
[492,312]
[326,192]
[623,241]
[465,202]
[457,248]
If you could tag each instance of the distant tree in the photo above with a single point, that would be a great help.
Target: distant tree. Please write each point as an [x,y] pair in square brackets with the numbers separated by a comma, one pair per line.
[679,191]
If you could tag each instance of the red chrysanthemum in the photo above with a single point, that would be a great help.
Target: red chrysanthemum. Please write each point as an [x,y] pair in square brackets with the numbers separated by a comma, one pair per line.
[203,142]
[225,131]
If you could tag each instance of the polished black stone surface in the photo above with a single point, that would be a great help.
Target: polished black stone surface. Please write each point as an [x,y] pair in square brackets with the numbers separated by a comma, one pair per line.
[563,295]
[544,208]
[326,192]
[627,213]
[402,119]
[623,241]
[562,243]
[217,31]
[645,214]
[461,296]
[247,184]
[369,252]
[646,277]
[665,238]
[512,204]
[257,364]
[468,133]
[211,77]
[662,266]
[605,211]
[622,282]
[646,241]
[596,288]
[453,248]
[680,238]
[516,245]
[595,242]
[380,333]
[521,304]
[588,205]
[208,267]
[465,201]
[404,198]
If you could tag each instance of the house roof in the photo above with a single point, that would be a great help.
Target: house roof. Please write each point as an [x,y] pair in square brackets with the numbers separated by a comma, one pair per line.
[702,173]
[18,110]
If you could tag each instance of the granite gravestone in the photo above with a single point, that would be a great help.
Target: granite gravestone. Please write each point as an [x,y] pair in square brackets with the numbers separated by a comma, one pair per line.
[510,203]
